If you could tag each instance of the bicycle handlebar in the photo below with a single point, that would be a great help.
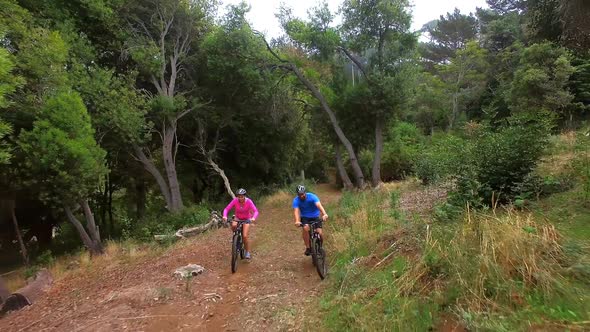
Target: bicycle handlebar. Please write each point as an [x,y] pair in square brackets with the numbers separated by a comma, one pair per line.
[310,224]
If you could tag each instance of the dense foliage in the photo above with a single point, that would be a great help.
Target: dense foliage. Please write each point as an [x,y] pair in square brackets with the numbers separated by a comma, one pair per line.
[140,108]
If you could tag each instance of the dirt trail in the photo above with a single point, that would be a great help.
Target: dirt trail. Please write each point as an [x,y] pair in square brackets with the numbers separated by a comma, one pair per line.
[267,293]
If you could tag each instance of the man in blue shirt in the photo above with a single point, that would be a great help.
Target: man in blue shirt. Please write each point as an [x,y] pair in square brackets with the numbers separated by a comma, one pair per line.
[307,209]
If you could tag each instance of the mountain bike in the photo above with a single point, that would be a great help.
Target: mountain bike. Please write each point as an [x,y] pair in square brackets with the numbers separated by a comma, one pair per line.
[237,246]
[318,254]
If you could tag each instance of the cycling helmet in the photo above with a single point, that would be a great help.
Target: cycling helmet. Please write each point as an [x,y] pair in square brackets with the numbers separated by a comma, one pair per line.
[241,191]
[300,189]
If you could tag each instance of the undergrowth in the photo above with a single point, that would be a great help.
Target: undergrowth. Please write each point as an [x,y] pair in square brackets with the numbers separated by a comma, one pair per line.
[496,270]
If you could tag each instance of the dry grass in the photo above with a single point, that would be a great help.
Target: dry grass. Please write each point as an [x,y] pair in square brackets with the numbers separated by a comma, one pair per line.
[15,280]
[491,259]
[409,185]
[563,154]
[115,253]
[280,199]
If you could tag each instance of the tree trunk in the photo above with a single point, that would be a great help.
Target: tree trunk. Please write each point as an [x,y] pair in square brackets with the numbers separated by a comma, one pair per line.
[170,166]
[94,249]
[93,230]
[454,112]
[358,172]
[140,199]
[104,201]
[110,204]
[151,168]
[378,151]
[23,248]
[341,169]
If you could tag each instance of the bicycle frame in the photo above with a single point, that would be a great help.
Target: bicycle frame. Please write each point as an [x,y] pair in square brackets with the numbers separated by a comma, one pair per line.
[318,254]
[237,244]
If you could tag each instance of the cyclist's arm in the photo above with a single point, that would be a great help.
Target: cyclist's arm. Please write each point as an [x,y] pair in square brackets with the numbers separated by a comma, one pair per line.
[228,208]
[254,211]
[297,215]
[321,207]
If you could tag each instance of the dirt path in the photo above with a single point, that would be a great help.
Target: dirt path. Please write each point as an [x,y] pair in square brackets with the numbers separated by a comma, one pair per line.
[268,293]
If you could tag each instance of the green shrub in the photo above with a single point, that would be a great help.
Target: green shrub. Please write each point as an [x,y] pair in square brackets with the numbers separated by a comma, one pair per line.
[582,163]
[491,165]
[505,158]
[443,157]
[404,142]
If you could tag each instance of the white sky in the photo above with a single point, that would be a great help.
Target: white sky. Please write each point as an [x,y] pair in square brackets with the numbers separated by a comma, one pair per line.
[262,14]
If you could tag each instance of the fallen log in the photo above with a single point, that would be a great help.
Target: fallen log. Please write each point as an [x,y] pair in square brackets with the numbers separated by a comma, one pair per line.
[28,294]
[214,222]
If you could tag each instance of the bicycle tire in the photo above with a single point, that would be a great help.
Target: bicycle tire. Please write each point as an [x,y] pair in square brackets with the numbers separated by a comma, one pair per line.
[234,253]
[242,249]
[320,259]
[314,254]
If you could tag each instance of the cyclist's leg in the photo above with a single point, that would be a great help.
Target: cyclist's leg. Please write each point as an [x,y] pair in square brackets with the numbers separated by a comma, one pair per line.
[305,234]
[245,233]
[320,232]
[319,227]
[305,230]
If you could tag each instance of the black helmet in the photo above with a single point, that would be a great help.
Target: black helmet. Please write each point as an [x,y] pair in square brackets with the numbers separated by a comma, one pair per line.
[241,191]
[300,189]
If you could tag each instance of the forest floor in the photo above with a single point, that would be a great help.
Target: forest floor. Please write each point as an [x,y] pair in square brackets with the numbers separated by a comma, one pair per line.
[139,292]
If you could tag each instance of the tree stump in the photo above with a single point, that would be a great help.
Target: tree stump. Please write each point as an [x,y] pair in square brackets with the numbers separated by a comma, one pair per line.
[28,294]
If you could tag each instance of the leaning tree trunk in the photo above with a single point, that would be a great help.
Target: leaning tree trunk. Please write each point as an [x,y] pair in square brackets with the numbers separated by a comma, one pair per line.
[94,247]
[93,230]
[358,172]
[23,248]
[341,169]
[153,170]
[378,152]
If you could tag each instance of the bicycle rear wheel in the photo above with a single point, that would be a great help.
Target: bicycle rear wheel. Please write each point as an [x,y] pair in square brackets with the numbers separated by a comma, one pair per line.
[235,247]
[320,259]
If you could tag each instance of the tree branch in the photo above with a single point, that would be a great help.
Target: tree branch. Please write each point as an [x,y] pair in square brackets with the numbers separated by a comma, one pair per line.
[258,33]
[355,60]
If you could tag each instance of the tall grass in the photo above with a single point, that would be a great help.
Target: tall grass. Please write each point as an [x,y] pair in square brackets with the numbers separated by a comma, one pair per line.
[498,270]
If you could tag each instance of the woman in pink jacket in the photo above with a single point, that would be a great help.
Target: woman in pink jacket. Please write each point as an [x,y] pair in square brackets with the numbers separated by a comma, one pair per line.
[245,210]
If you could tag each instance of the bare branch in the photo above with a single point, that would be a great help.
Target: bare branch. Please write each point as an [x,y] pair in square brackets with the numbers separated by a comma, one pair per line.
[182,114]
[356,61]
[258,33]
[157,85]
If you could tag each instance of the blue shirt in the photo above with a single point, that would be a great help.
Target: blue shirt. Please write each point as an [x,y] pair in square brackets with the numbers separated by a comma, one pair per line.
[307,206]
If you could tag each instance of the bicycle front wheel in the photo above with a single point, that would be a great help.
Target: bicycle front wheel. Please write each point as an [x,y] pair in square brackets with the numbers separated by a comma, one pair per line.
[235,248]
[320,259]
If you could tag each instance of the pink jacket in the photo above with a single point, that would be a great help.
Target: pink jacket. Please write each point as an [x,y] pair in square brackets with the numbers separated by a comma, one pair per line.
[243,211]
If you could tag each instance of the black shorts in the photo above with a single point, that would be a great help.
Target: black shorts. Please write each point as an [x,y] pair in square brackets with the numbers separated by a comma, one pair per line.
[307,221]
